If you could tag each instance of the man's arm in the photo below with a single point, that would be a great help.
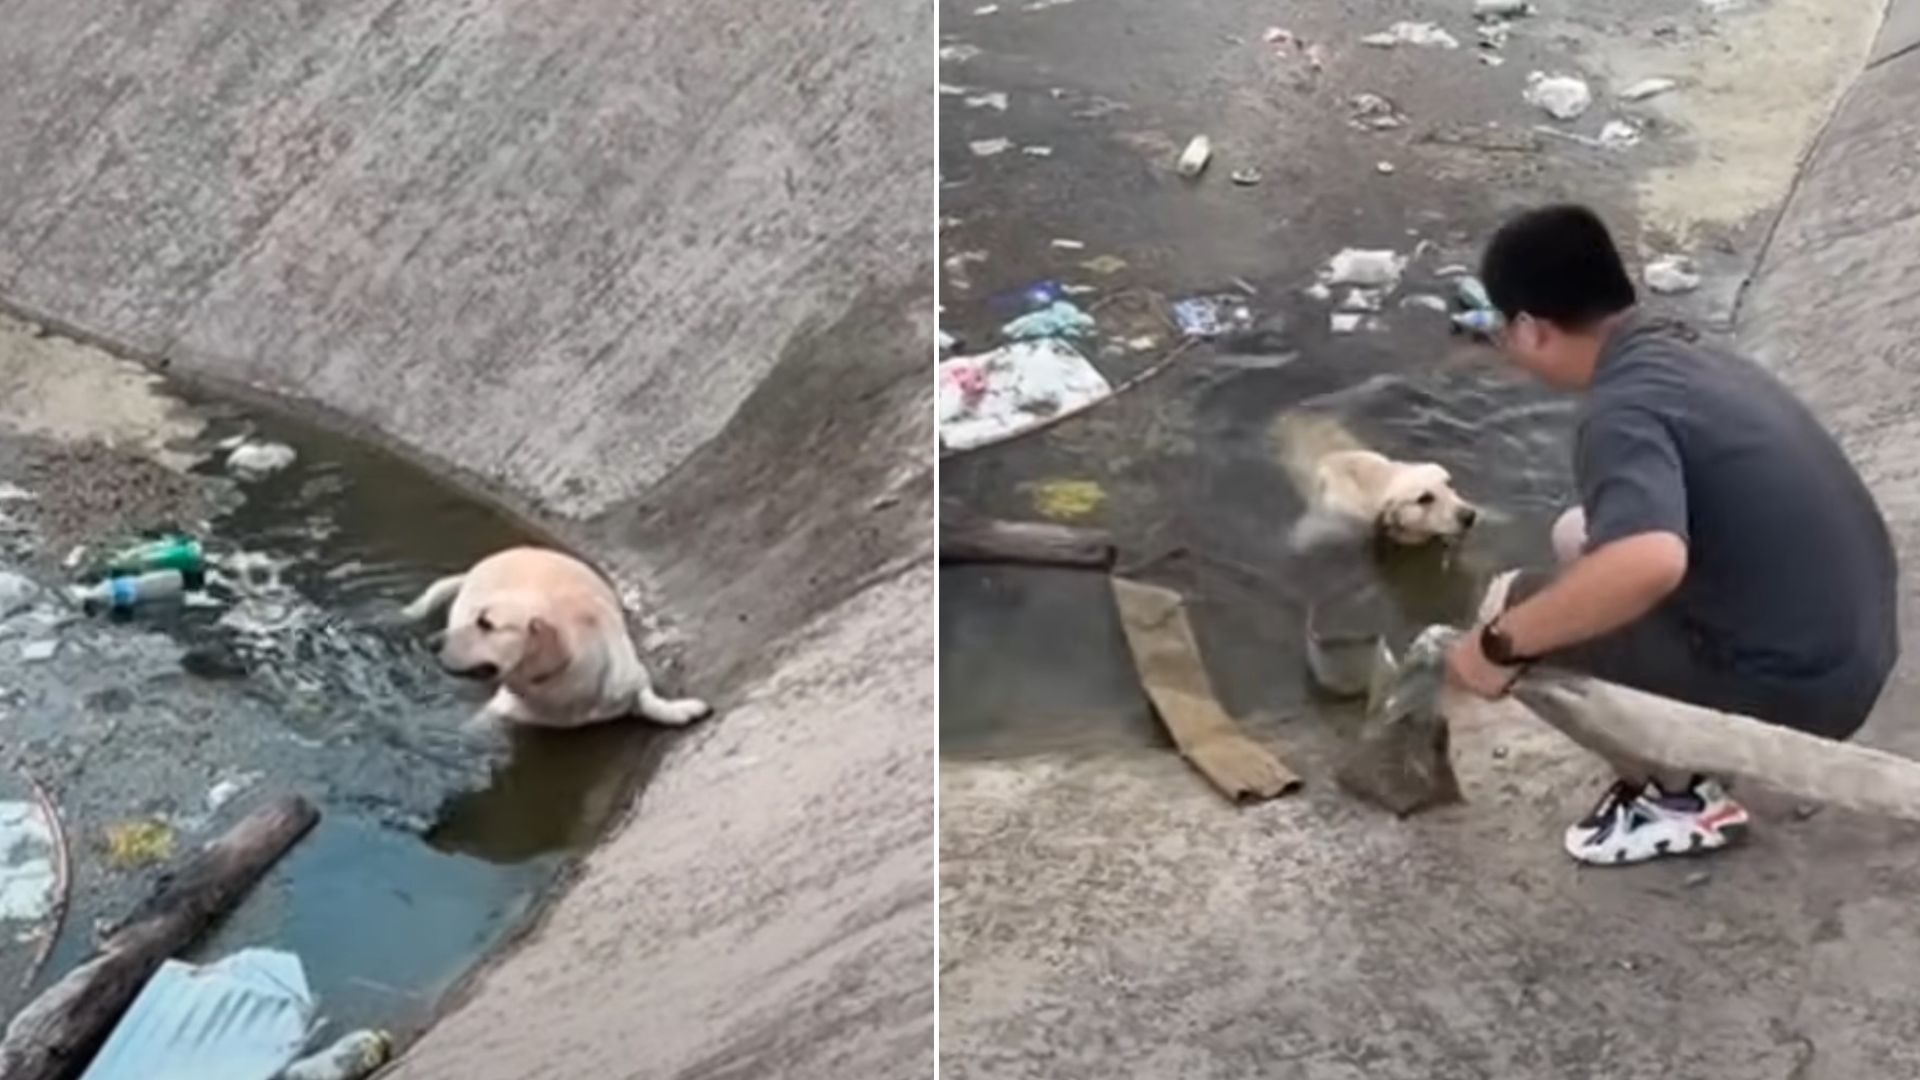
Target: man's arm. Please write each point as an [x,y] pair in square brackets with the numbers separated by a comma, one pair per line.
[1603,590]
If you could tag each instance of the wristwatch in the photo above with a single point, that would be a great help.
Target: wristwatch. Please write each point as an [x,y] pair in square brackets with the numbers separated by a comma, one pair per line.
[1497,647]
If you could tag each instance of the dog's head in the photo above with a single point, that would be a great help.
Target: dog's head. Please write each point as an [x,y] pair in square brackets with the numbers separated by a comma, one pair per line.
[1420,505]
[508,639]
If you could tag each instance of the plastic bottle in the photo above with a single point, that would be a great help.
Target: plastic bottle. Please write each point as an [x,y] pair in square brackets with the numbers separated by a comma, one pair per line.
[174,551]
[127,593]
[352,1057]
[1482,324]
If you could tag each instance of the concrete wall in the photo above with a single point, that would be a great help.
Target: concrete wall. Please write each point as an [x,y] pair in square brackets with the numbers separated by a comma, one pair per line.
[661,270]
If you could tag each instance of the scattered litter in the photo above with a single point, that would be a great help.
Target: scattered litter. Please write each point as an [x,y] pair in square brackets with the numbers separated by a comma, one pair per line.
[129,592]
[74,557]
[958,54]
[1345,322]
[1361,300]
[1493,35]
[16,593]
[1142,343]
[990,396]
[173,551]
[1063,244]
[989,147]
[1471,294]
[28,878]
[1699,878]
[958,262]
[1671,274]
[996,100]
[1500,753]
[1193,160]
[1317,57]
[1371,112]
[1318,291]
[1478,323]
[1059,319]
[947,341]
[950,90]
[1501,9]
[1105,264]
[1424,300]
[1647,88]
[1805,811]
[1079,290]
[1211,316]
[15,493]
[140,842]
[242,1018]
[224,792]
[1563,97]
[1369,268]
[1384,168]
[38,652]
[255,459]
[1453,270]
[351,1057]
[1412,33]
[1619,135]
[1067,500]
[1245,177]
[1037,151]
[986,9]
[1492,59]
[1029,297]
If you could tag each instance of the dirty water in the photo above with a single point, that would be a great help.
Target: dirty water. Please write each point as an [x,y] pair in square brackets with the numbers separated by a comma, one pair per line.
[287,674]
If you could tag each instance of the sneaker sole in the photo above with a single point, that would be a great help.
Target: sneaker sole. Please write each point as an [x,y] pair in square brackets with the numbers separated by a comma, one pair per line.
[1699,842]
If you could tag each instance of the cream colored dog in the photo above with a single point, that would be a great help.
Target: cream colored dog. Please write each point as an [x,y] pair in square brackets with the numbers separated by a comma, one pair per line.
[550,632]
[1353,492]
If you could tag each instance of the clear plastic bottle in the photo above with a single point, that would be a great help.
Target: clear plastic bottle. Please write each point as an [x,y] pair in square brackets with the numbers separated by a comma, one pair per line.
[127,593]
[350,1058]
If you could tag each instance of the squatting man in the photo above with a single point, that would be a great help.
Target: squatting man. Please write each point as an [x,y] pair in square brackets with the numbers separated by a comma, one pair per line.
[1724,552]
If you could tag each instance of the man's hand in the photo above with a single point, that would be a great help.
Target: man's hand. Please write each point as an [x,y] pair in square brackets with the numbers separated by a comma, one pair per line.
[1469,668]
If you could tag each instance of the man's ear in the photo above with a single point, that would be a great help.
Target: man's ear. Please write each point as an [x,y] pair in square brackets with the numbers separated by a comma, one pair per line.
[543,657]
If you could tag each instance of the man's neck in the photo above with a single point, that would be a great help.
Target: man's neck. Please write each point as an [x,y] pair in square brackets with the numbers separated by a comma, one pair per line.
[1592,343]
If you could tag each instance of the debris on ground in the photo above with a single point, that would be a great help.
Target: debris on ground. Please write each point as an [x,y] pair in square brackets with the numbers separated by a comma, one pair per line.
[996,100]
[1193,160]
[1062,318]
[141,842]
[1384,168]
[1104,265]
[1479,323]
[989,147]
[128,592]
[17,593]
[958,53]
[1372,112]
[1647,88]
[1494,35]
[991,396]
[351,1057]
[1167,657]
[1029,297]
[1060,243]
[1412,33]
[224,792]
[1245,177]
[169,551]
[1037,151]
[1562,97]
[264,1010]
[1672,274]
[1350,322]
[1276,36]
[29,878]
[1061,499]
[1619,135]
[947,341]
[1361,300]
[39,652]
[1208,317]
[252,460]
[1501,9]
[1425,300]
[1471,294]
[1370,268]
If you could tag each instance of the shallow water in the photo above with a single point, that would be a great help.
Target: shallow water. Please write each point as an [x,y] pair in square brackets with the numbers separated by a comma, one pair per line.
[288,675]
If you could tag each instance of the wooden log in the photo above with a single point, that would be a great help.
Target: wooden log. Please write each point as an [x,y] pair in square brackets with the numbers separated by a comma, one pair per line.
[55,1036]
[965,538]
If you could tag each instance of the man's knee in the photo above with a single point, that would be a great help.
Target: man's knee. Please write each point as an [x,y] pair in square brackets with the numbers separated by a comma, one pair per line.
[1569,535]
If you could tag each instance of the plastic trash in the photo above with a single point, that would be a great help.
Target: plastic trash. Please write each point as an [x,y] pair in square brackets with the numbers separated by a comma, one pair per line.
[1211,316]
[17,593]
[1619,135]
[1245,177]
[989,147]
[1193,160]
[1478,322]
[1058,319]
[1412,33]
[255,459]
[127,593]
[174,551]
[992,396]
[350,1058]
[1672,274]
[1471,294]
[1647,88]
[1373,269]
[1372,112]
[35,652]
[1501,9]
[1562,97]
[27,874]
[241,1018]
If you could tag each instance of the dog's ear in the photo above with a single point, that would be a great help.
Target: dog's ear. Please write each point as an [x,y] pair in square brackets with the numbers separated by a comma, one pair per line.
[544,656]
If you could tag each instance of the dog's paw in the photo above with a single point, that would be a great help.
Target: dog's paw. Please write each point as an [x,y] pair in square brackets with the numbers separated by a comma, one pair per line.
[673,712]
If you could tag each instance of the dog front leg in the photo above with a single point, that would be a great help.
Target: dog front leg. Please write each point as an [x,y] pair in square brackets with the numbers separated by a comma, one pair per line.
[505,707]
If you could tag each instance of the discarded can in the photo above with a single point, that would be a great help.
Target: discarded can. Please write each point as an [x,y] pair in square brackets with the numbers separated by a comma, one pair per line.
[174,551]
[351,1058]
[1193,160]
[129,592]
[1478,322]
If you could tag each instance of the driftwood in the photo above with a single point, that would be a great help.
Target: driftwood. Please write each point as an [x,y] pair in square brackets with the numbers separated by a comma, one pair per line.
[965,538]
[1168,659]
[58,1032]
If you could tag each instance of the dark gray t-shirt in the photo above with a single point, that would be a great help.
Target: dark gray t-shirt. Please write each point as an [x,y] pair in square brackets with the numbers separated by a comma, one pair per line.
[1790,571]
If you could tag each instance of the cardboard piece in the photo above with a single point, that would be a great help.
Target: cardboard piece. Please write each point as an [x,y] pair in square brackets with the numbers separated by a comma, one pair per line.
[1167,657]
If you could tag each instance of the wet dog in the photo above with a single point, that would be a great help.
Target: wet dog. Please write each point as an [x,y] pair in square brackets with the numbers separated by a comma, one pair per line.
[549,632]
[1353,492]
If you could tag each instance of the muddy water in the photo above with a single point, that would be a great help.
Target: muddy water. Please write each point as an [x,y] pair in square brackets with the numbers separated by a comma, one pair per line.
[288,675]
[1033,660]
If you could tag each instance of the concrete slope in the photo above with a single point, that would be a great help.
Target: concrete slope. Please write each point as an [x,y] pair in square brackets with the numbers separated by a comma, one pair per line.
[661,271]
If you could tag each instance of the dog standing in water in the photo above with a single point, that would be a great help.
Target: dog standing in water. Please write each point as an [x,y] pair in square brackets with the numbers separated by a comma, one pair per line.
[550,632]
[1353,492]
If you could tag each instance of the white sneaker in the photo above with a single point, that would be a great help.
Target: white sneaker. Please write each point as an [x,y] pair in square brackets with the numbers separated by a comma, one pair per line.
[1632,824]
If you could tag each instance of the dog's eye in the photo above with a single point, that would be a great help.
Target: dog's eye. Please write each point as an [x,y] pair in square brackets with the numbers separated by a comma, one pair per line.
[485,624]
[1425,499]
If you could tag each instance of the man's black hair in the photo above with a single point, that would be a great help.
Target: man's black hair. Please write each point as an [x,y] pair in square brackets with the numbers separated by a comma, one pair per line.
[1556,263]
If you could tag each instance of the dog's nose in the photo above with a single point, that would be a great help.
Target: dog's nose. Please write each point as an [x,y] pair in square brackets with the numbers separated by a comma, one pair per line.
[481,672]
[1468,515]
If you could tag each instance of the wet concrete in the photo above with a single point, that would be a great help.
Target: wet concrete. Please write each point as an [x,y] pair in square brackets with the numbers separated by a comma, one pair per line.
[1102,910]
